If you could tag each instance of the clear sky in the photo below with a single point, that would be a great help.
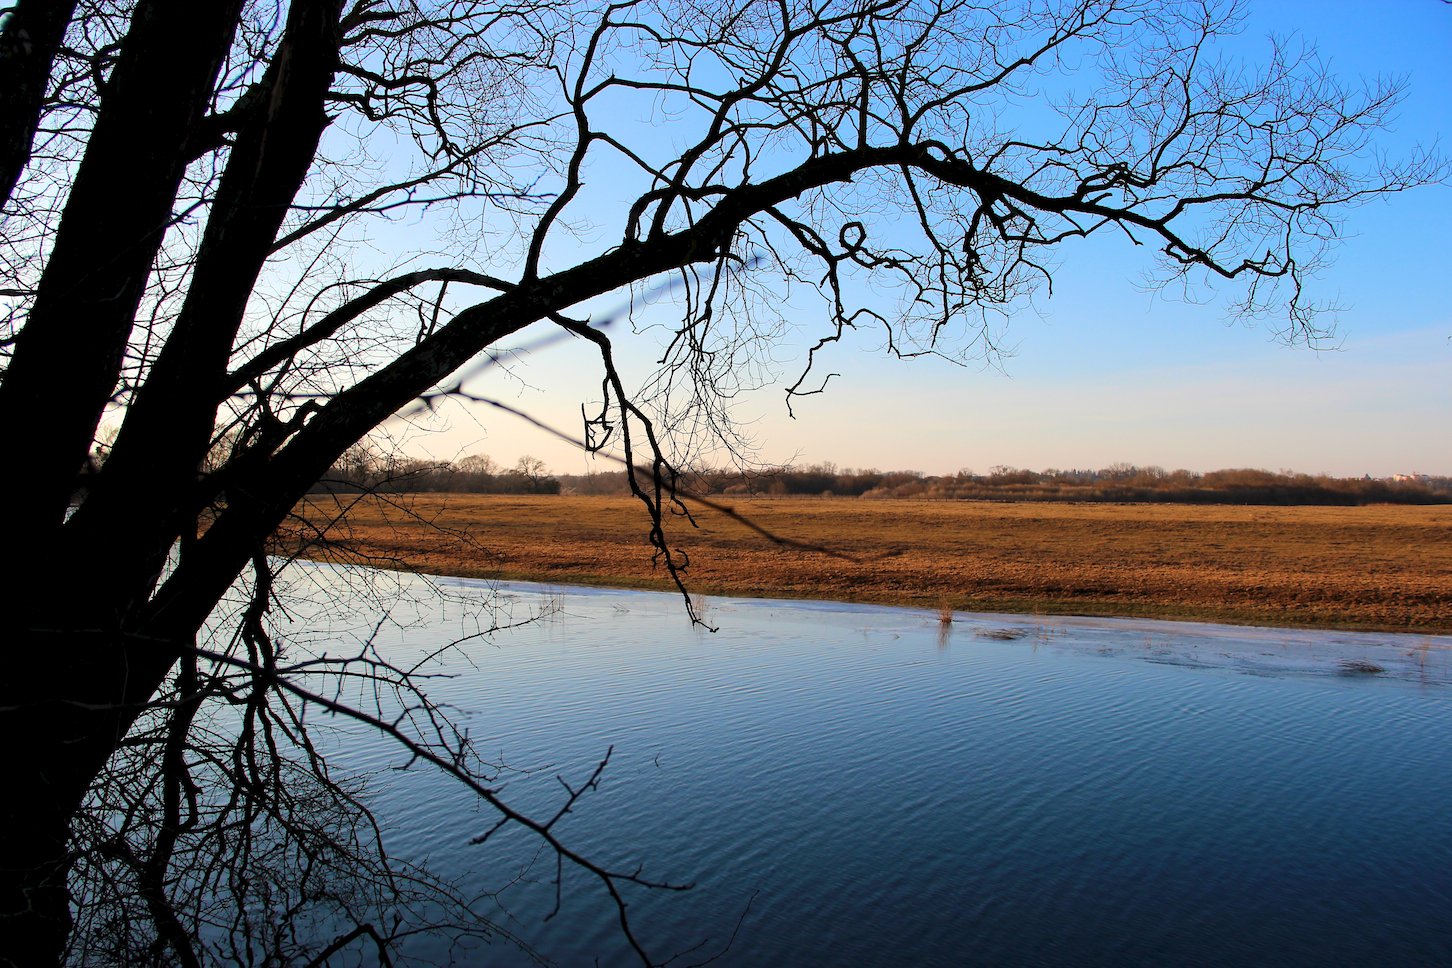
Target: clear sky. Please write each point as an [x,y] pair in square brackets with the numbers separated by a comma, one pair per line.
[1105,371]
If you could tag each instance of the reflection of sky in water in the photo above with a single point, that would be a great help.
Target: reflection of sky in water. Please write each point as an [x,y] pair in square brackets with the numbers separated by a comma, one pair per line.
[1017,790]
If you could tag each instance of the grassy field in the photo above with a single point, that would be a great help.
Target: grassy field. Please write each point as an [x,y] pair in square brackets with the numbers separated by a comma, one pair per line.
[1380,567]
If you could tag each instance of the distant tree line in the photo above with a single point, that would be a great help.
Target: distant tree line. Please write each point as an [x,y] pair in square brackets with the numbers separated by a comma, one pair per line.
[1117,482]
[364,469]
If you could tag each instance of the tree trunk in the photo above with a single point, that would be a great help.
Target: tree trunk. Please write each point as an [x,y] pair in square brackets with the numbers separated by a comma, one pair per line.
[66,360]
[67,699]
[35,915]
[28,45]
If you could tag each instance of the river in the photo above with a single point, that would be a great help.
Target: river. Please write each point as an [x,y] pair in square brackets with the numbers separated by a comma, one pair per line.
[852,785]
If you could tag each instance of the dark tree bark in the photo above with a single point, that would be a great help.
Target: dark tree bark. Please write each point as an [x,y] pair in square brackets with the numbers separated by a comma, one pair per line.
[28,45]
[68,357]
[73,689]
[169,424]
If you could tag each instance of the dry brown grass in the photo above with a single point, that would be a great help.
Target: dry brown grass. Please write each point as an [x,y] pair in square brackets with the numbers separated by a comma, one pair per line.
[1380,567]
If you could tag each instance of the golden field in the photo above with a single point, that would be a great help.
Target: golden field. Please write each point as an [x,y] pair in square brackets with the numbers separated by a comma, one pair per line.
[1384,567]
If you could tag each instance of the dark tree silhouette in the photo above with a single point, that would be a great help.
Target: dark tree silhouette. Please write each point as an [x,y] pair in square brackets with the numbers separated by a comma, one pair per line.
[200,211]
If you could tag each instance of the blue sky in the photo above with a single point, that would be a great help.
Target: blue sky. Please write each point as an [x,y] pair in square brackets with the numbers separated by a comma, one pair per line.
[1105,371]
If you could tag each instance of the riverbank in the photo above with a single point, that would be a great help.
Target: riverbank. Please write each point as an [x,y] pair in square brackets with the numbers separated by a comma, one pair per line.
[1383,568]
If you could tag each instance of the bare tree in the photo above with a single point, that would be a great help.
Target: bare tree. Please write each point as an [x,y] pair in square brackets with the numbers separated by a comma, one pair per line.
[481,465]
[196,196]
[532,469]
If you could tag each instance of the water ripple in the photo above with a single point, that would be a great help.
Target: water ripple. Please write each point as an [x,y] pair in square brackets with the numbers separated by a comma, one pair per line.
[1082,793]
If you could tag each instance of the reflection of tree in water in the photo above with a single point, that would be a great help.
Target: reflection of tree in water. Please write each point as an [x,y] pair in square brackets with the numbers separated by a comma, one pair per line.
[220,833]
[284,866]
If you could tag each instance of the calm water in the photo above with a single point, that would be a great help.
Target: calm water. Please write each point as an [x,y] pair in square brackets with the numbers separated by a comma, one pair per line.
[855,786]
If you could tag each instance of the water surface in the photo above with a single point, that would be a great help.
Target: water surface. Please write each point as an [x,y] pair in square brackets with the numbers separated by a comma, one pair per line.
[850,785]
